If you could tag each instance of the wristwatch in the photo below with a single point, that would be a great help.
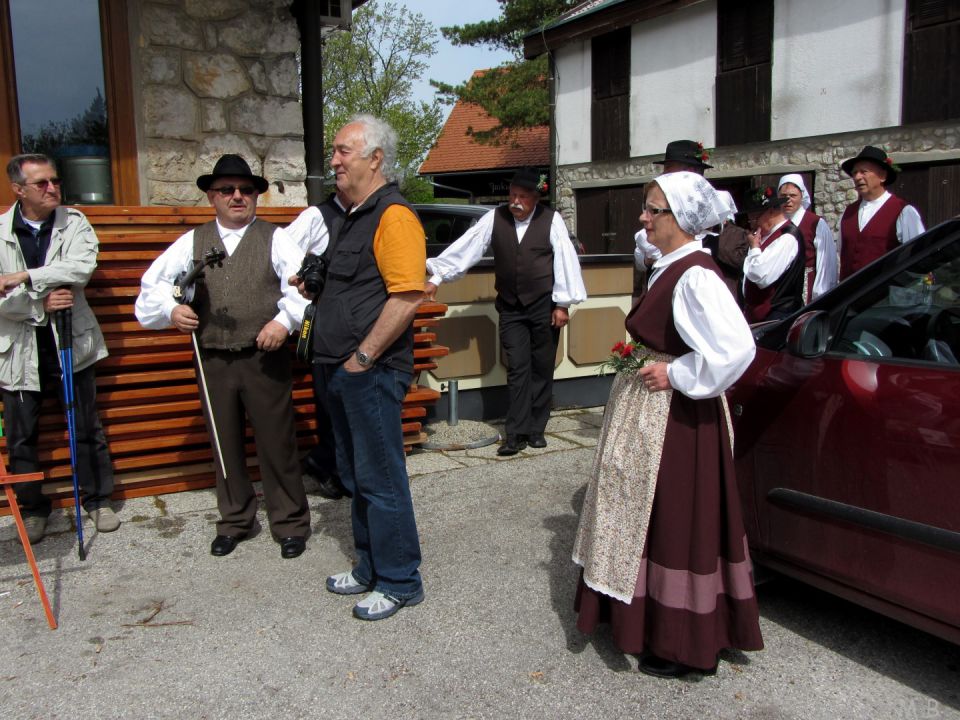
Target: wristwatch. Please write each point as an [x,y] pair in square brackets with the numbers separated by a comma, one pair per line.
[364,359]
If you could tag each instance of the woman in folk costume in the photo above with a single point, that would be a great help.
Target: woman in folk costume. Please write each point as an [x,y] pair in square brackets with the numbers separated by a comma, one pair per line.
[661,539]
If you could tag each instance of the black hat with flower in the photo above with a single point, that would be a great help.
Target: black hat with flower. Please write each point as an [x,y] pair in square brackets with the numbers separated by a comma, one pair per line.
[688,152]
[531,179]
[762,198]
[875,155]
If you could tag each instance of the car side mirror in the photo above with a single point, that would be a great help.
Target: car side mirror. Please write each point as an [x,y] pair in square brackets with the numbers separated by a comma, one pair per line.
[809,334]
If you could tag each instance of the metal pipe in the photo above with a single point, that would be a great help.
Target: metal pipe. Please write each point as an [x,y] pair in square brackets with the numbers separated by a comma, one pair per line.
[311,92]
[453,400]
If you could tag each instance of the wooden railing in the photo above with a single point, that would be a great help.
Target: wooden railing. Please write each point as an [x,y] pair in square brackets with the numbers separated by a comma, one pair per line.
[147,392]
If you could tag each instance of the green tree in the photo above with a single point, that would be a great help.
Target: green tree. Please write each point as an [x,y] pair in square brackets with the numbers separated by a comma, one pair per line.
[515,94]
[371,70]
[88,127]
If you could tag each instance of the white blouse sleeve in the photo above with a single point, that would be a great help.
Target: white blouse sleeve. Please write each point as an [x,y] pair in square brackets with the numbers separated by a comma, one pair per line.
[763,268]
[909,224]
[709,321]
[155,302]
[309,231]
[463,254]
[828,261]
[568,287]
[286,257]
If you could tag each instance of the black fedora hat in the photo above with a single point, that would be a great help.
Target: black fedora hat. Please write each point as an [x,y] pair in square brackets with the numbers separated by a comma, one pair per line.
[762,198]
[527,177]
[876,156]
[232,166]
[687,152]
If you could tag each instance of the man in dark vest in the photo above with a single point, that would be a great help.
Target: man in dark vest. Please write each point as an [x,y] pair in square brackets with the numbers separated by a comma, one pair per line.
[537,279]
[773,271]
[315,231]
[242,315]
[363,356]
[878,221]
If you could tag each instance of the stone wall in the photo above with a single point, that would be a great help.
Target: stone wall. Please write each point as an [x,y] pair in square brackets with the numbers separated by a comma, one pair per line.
[833,189]
[215,77]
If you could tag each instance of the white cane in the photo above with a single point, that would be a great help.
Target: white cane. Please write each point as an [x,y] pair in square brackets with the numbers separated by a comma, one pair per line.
[206,397]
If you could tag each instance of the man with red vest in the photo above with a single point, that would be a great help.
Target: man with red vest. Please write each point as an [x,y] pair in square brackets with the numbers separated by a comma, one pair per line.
[820,250]
[774,267]
[877,222]
[537,278]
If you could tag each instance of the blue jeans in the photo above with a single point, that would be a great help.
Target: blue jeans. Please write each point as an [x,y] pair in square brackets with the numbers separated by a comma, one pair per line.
[365,413]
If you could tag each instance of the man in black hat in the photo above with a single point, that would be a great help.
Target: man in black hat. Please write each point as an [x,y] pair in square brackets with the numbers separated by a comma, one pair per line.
[243,313]
[537,279]
[681,155]
[879,220]
[773,283]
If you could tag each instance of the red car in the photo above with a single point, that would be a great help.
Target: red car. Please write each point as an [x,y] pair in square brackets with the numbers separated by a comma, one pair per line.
[847,428]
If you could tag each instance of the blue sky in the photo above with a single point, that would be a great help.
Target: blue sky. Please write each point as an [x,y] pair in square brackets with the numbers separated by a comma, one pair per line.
[455,64]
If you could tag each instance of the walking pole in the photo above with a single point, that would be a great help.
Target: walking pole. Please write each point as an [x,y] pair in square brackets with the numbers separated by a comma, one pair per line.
[7,482]
[65,335]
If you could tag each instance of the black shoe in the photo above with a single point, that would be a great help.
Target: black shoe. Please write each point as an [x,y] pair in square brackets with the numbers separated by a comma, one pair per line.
[224,545]
[291,547]
[537,440]
[328,484]
[658,667]
[512,445]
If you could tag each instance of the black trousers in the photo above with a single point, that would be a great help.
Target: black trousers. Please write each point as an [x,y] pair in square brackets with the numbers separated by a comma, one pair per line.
[530,344]
[21,417]
[321,461]
[257,386]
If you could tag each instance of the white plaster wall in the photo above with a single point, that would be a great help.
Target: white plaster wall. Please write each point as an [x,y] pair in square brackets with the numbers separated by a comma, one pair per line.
[837,66]
[673,67]
[572,66]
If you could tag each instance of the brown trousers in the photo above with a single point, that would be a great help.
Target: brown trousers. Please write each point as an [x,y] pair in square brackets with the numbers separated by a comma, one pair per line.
[256,384]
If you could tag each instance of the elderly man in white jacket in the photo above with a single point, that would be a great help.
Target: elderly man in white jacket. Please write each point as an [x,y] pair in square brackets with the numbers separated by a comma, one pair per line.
[47,255]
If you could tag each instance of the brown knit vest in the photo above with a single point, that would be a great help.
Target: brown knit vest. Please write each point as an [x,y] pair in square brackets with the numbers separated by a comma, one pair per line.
[234,301]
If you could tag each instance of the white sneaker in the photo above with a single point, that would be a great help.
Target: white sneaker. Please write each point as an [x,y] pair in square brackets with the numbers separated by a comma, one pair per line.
[105,519]
[378,606]
[345,584]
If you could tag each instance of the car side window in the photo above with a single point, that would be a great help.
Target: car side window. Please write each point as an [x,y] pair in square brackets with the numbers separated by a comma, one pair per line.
[913,316]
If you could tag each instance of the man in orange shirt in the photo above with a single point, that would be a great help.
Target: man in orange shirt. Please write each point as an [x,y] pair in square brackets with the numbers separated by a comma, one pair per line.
[363,364]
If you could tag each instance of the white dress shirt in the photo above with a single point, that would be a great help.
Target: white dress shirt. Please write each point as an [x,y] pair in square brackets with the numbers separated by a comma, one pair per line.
[309,230]
[828,260]
[155,303]
[764,267]
[709,321]
[466,251]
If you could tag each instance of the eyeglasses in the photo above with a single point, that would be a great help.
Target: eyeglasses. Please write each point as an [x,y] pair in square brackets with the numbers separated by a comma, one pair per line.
[43,184]
[650,210]
[229,190]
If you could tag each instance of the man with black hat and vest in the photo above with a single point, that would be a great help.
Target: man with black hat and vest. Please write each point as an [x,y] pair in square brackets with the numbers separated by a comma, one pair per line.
[244,311]
[537,279]
[879,220]
[773,271]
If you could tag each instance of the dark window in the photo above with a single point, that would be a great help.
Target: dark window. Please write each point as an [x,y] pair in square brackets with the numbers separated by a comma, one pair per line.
[932,188]
[744,51]
[610,110]
[931,46]
[608,218]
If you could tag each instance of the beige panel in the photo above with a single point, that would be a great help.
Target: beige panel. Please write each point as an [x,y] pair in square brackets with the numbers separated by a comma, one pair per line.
[475,286]
[472,341]
[608,279]
[593,331]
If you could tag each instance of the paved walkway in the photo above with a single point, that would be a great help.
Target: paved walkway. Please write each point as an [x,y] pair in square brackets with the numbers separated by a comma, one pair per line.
[152,626]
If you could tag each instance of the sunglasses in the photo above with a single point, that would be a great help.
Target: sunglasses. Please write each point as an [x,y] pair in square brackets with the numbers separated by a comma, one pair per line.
[229,190]
[41,184]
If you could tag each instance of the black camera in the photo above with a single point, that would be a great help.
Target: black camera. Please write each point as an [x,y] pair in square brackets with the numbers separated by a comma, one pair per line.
[313,273]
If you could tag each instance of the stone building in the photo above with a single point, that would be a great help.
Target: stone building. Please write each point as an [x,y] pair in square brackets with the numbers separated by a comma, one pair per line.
[769,87]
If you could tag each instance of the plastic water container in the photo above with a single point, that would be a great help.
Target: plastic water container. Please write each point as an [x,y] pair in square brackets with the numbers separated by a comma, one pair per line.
[85,171]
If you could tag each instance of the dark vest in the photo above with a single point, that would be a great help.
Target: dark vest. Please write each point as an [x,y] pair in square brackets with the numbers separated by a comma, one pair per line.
[878,237]
[523,270]
[234,301]
[650,322]
[333,216]
[808,231]
[728,249]
[354,294]
[784,295]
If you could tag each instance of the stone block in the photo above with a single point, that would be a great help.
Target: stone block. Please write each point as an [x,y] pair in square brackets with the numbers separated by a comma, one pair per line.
[171,160]
[213,9]
[285,161]
[218,75]
[261,144]
[247,34]
[173,193]
[160,67]
[269,116]
[284,77]
[214,146]
[212,116]
[169,112]
[165,25]
[258,76]
[210,36]
[283,36]
[283,193]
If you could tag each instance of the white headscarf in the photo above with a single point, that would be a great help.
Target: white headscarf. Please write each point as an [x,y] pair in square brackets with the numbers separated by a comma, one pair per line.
[727,199]
[795,179]
[695,204]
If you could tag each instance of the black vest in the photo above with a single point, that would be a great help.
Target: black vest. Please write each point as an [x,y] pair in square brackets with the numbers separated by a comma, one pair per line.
[354,294]
[236,299]
[524,270]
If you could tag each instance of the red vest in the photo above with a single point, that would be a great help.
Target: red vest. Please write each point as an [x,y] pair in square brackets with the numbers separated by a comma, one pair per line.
[878,237]
[785,294]
[808,230]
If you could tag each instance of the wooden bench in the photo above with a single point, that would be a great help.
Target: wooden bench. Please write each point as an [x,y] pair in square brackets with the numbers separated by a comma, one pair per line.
[146,389]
